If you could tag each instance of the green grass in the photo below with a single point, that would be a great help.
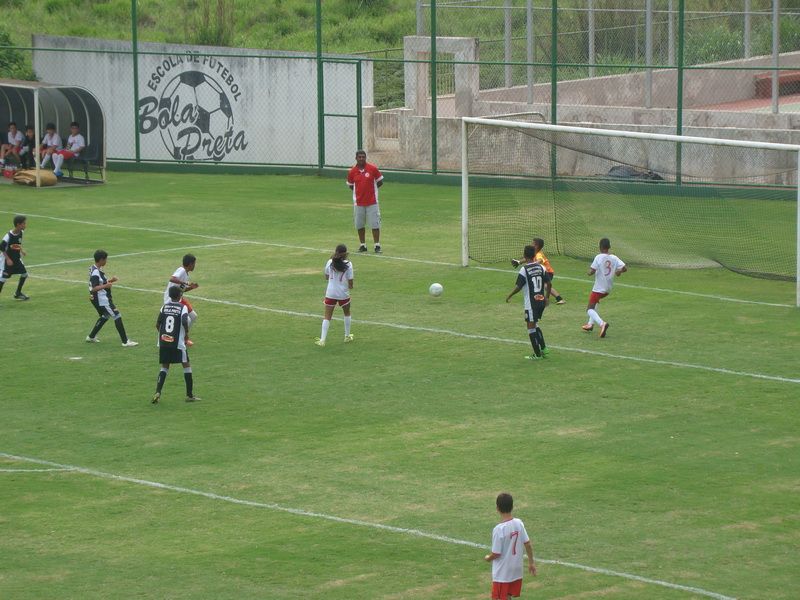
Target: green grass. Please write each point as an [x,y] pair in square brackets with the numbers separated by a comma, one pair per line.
[671,473]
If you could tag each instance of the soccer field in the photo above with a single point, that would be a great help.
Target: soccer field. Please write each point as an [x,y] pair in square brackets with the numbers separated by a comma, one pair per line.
[660,462]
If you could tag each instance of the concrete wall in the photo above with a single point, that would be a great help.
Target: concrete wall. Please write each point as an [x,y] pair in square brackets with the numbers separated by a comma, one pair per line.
[257,110]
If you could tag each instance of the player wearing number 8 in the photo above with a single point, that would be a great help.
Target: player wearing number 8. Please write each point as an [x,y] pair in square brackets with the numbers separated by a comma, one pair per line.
[172,325]
[605,267]
[535,280]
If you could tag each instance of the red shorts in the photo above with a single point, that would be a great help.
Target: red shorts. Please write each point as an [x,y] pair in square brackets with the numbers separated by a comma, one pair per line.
[594,297]
[507,589]
[334,301]
[187,304]
[67,154]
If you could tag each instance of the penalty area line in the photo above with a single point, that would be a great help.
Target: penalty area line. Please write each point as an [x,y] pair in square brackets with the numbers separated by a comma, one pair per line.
[356,522]
[450,332]
[387,257]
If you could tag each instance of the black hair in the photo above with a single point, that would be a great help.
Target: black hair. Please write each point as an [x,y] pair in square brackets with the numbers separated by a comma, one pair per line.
[605,244]
[175,293]
[339,258]
[29,127]
[100,255]
[50,126]
[360,151]
[19,219]
[12,123]
[505,503]
[529,252]
[75,124]
[188,259]
[538,242]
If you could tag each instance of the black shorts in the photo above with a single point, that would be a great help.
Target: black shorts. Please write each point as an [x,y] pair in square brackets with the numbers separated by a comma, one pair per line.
[535,313]
[16,268]
[170,356]
[109,311]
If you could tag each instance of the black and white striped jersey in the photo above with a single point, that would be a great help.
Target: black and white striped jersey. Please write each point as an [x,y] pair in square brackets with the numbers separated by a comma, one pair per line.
[97,277]
[11,245]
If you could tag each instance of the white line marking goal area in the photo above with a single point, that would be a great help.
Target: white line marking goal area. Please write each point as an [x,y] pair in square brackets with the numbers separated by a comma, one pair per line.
[233,241]
[471,336]
[354,522]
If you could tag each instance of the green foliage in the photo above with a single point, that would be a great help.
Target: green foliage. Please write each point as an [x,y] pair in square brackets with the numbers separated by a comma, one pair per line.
[13,63]
[713,44]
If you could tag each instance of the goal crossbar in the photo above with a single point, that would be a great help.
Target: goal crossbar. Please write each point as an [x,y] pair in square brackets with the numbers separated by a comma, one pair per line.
[591,131]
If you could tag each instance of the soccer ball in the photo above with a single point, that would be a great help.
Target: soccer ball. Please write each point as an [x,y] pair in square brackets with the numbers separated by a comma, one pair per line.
[436,289]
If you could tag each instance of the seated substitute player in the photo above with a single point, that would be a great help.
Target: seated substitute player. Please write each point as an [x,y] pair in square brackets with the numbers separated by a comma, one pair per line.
[339,274]
[540,257]
[14,145]
[27,158]
[535,280]
[75,145]
[50,143]
[181,278]
[506,554]
[12,252]
[605,267]
[100,297]
[172,325]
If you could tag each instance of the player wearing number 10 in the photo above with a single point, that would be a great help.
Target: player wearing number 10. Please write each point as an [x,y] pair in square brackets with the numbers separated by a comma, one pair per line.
[172,325]
[508,538]
[535,280]
[605,267]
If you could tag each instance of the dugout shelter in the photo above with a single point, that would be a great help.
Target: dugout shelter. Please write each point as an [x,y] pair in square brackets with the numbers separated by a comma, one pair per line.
[37,103]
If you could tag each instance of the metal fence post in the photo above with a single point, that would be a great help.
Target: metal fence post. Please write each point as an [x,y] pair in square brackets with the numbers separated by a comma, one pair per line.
[776,37]
[671,33]
[529,26]
[359,108]
[747,29]
[420,19]
[320,92]
[434,136]
[679,111]
[592,58]
[135,57]
[648,54]
[507,44]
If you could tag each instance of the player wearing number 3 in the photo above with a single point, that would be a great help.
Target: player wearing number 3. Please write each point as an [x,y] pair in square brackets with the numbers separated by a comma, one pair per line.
[605,267]
[535,280]
[508,539]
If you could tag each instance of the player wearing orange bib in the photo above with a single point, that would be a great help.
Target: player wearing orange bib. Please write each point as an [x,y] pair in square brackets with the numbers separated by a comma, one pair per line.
[538,244]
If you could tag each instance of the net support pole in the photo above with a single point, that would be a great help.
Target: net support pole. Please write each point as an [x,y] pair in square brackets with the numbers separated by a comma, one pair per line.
[37,132]
[465,199]
[797,224]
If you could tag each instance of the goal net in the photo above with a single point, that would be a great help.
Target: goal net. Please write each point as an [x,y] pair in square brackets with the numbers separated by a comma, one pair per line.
[663,200]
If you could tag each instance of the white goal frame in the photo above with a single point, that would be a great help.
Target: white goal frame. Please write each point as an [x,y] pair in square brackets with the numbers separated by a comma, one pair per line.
[610,133]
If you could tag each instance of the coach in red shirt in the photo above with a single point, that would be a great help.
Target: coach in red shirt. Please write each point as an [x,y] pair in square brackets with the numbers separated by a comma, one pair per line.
[365,179]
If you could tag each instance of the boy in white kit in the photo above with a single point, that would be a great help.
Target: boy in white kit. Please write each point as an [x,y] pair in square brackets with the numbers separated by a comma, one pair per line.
[75,145]
[180,278]
[339,274]
[508,538]
[605,267]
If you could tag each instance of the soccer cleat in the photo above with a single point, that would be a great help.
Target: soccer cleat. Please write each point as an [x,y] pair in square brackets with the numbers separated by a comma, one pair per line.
[192,399]
[587,327]
[534,357]
[604,329]
[377,248]
[58,173]
[320,342]
[514,263]
[21,296]
[545,352]
[363,248]
[156,398]
[348,338]
[92,340]
[562,301]
[130,344]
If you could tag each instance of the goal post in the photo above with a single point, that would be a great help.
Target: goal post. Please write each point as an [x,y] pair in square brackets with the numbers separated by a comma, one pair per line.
[664,200]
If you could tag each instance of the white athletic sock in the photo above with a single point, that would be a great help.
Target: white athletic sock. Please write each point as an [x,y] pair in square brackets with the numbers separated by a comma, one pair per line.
[347,326]
[192,317]
[325,325]
[594,317]
[58,160]
[45,160]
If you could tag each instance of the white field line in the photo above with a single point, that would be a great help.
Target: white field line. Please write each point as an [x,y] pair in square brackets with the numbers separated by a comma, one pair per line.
[35,470]
[471,336]
[112,256]
[398,258]
[356,522]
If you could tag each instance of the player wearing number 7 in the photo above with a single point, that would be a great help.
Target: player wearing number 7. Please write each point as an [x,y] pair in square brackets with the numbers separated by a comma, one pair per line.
[535,280]
[508,539]
[605,267]
[172,325]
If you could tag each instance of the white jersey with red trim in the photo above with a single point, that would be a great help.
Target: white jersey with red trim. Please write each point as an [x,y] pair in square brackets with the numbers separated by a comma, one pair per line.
[181,274]
[338,282]
[508,540]
[605,268]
